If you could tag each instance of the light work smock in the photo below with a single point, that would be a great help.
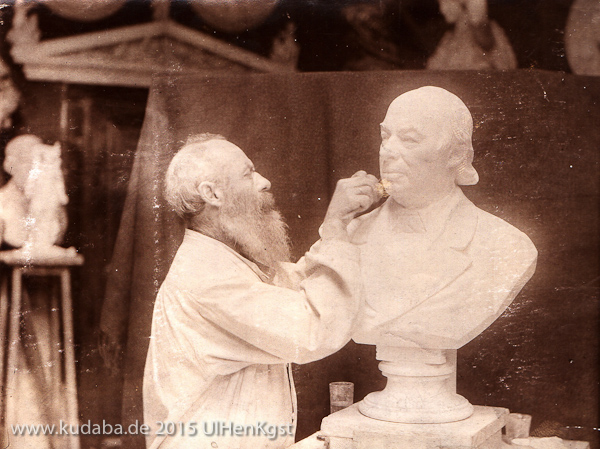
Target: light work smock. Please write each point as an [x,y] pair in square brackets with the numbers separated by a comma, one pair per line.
[223,337]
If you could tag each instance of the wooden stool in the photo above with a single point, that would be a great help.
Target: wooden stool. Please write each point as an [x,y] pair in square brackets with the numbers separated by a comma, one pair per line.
[18,266]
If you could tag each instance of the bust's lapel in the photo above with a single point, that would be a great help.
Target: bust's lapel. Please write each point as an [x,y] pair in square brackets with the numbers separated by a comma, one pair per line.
[447,258]
[427,272]
[461,226]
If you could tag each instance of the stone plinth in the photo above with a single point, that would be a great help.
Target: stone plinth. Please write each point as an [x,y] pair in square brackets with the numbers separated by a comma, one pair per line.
[349,429]
[421,387]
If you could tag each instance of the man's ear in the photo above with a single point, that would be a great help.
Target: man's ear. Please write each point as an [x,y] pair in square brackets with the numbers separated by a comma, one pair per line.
[210,193]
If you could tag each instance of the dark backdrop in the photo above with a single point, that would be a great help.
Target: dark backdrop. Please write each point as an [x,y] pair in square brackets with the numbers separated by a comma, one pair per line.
[536,150]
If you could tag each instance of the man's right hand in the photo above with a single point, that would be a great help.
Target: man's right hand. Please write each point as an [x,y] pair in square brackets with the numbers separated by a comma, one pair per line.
[351,197]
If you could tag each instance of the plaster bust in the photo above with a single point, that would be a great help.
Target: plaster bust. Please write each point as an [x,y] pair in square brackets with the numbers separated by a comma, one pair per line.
[32,203]
[436,269]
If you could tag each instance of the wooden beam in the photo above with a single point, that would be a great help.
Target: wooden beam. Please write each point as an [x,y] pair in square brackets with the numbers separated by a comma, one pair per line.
[53,48]
[87,41]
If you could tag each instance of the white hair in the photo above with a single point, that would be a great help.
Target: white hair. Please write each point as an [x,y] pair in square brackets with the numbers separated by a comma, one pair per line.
[460,123]
[187,170]
[462,141]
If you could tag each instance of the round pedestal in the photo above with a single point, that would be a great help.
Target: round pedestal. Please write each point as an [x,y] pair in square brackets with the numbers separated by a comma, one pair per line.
[421,388]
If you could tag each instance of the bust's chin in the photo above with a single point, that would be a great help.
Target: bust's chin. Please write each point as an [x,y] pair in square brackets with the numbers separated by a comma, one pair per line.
[417,197]
[400,195]
[408,199]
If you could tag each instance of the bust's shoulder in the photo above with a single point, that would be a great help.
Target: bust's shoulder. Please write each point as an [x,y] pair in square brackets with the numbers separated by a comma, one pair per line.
[12,202]
[5,195]
[488,222]
[500,236]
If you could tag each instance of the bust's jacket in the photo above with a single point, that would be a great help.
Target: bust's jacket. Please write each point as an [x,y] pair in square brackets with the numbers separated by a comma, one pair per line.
[454,289]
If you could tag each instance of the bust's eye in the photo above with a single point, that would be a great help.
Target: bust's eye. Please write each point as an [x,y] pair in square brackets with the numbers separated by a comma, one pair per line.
[385,134]
[410,138]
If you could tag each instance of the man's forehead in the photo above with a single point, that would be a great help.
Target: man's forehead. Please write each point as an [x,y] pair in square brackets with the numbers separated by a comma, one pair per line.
[224,154]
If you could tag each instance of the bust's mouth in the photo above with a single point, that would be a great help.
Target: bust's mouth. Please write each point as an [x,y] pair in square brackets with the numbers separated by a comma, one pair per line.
[392,174]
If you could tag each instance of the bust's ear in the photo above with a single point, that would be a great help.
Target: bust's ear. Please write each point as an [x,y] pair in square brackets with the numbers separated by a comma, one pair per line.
[457,158]
[210,193]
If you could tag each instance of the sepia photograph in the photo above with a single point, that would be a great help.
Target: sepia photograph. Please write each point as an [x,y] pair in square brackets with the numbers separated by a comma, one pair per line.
[304,224]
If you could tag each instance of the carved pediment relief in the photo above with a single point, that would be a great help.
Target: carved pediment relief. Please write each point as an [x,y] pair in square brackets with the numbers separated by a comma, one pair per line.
[129,56]
[161,53]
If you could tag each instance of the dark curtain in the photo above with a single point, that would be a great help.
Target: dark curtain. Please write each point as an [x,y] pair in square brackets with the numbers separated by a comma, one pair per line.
[536,149]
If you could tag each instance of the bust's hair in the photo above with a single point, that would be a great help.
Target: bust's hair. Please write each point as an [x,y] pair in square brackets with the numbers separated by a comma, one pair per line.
[462,141]
[458,122]
[188,168]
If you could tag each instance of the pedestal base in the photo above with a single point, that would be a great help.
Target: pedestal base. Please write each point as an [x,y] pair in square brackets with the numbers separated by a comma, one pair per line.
[444,405]
[349,429]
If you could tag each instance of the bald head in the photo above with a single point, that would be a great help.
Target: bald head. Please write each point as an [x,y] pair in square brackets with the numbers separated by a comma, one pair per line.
[426,145]
[436,103]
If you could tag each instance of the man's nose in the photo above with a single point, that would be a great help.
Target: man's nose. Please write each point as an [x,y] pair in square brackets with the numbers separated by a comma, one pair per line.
[261,182]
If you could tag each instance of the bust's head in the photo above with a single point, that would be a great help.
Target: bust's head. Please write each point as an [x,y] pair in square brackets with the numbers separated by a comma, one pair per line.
[452,10]
[426,147]
[19,156]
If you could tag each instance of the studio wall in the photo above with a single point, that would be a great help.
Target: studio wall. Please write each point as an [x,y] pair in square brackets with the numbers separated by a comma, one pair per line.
[536,150]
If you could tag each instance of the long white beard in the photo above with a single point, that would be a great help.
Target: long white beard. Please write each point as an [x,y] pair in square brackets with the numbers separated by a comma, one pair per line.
[253,225]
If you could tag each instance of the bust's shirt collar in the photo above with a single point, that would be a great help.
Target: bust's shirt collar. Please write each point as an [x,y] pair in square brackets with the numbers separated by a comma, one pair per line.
[429,220]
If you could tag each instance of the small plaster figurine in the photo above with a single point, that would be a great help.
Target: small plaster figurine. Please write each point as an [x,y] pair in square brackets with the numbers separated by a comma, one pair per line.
[32,204]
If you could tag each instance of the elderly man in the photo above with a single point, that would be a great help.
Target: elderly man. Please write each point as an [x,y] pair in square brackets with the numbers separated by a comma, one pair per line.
[229,318]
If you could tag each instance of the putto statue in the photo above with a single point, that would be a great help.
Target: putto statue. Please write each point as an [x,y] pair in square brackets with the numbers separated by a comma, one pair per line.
[475,42]
[436,269]
[32,204]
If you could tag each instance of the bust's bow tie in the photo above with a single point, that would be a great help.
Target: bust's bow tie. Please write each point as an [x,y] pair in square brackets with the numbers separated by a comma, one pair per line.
[408,222]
